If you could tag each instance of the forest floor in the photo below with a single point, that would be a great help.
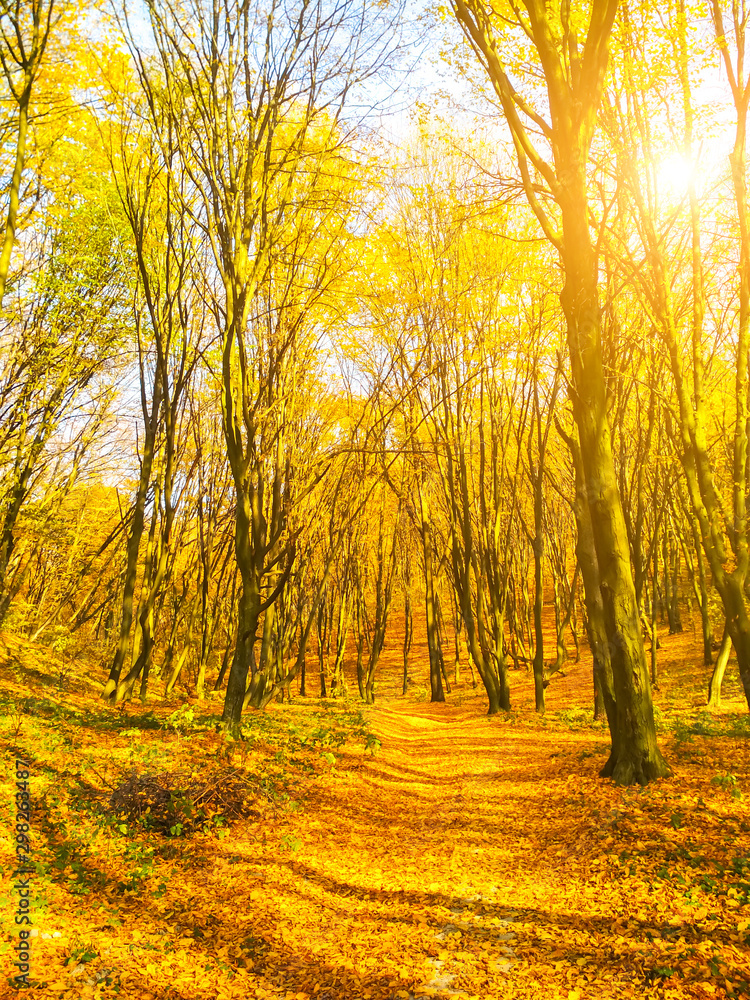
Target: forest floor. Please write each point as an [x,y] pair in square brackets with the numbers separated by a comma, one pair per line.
[397,851]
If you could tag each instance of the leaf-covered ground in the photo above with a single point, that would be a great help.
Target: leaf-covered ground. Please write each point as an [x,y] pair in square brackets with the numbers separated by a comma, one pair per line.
[407,850]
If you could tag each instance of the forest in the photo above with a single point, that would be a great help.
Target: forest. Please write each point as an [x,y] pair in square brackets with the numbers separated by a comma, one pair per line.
[375,498]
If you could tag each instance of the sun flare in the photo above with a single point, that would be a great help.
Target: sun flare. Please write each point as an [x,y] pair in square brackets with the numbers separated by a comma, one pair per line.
[674,174]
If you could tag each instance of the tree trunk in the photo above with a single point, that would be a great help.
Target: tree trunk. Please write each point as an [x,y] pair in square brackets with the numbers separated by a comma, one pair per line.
[15,182]
[248,613]
[574,87]
[636,758]
[739,629]
[320,622]
[706,631]
[153,576]
[441,642]
[360,665]
[263,676]
[200,681]
[717,675]
[337,679]
[303,633]
[133,547]
[538,548]
[604,690]
[408,633]
[177,670]
[456,639]
[433,640]
[676,612]
[654,634]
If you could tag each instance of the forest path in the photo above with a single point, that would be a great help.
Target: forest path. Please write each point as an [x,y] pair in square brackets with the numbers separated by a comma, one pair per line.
[485,858]
[452,847]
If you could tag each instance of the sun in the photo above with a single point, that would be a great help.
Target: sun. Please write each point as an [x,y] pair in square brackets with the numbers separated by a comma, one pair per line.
[674,175]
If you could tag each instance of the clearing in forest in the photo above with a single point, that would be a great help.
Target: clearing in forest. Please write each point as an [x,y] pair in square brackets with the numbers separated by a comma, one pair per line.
[403,850]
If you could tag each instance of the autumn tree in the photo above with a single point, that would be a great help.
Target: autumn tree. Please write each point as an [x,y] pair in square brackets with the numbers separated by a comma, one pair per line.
[258,97]
[570,44]
[25,28]
[169,322]
[60,330]
[541,412]
[685,292]
[446,315]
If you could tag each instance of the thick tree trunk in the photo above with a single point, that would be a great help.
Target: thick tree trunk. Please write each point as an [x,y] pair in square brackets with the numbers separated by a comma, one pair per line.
[635,754]
[248,613]
[263,676]
[500,698]
[596,631]
[599,709]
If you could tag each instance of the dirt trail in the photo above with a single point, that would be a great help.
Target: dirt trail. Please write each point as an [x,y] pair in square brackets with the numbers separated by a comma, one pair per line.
[482,857]
[444,844]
